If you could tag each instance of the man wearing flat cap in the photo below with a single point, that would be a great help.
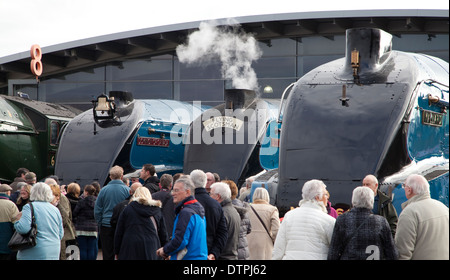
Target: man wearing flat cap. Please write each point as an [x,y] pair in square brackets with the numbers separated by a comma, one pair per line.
[6,189]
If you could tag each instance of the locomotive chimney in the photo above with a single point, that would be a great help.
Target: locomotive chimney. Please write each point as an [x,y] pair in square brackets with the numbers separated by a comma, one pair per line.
[238,98]
[366,49]
[121,98]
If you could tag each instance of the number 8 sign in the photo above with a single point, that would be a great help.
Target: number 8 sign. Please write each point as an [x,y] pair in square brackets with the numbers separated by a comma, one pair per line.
[36,63]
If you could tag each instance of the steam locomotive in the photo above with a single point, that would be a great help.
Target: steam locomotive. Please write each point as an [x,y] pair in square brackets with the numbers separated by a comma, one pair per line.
[120,130]
[29,135]
[375,111]
[231,138]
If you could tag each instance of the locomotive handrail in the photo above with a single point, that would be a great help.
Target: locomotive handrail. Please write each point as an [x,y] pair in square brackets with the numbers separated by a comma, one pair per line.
[18,126]
[282,101]
[430,81]
[438,100]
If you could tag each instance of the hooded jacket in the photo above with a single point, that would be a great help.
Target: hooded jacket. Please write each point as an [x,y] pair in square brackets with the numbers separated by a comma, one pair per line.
[387,210]
[230,251]
[245,228]
[189,231]
[152,184]
[136,237]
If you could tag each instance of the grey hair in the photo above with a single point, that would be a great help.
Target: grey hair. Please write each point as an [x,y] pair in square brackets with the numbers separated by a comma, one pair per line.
[187,183]
[50,181]
[418,184]
[261,194]
[363,197]
[41,192]
[313,188]
[221,189]
[199,178]
[166,181]
[20,185]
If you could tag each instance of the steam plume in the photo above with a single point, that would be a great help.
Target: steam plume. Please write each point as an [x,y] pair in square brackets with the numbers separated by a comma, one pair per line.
[235,49]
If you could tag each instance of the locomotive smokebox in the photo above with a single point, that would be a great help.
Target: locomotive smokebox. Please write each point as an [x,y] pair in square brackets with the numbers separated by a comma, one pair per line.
[226,138]
[238,98]
[366,49]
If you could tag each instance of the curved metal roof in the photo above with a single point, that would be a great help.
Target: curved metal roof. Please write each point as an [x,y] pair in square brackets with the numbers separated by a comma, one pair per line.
[93,51]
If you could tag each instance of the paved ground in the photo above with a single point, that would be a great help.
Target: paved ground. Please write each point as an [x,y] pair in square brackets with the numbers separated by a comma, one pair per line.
[100,255]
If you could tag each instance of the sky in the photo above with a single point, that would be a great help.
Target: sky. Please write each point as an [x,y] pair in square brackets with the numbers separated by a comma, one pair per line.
[49,22]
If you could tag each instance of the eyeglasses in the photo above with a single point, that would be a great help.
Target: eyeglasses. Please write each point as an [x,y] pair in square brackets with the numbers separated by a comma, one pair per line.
[404,186]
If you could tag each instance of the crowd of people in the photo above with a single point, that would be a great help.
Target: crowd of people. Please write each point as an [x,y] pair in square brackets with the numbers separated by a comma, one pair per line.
[197,216]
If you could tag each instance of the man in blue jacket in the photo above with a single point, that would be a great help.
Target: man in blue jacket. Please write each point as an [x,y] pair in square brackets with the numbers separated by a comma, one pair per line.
[110,195]
[189,231]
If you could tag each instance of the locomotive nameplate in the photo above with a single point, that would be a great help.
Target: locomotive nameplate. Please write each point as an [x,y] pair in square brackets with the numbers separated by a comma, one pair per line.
[153,142]
[222,121]
[432,118]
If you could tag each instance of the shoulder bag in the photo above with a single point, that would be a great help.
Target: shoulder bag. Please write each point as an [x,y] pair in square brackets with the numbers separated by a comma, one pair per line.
[264,225]
[24,241]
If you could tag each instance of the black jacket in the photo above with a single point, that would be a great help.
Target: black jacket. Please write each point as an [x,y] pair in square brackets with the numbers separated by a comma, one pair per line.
[83,214]
[136,237]
[360,235]
[216,224]
[168,208]
[152,183]
[117,210]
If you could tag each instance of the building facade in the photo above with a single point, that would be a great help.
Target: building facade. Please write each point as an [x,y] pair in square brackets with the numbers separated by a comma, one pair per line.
[145,62]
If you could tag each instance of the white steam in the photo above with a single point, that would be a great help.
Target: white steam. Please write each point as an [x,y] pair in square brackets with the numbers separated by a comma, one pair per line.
[235,49]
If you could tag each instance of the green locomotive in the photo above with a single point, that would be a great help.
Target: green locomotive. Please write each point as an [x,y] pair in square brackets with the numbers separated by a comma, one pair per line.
[29,133]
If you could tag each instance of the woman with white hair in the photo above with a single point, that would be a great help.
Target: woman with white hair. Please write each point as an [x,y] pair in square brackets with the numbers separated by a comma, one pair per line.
[262,216]
[306,231]
[361,235]
[50,227]
[141,228]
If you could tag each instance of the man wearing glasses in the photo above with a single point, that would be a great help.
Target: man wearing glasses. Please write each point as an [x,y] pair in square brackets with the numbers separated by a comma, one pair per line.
[189,230]
[423,225]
